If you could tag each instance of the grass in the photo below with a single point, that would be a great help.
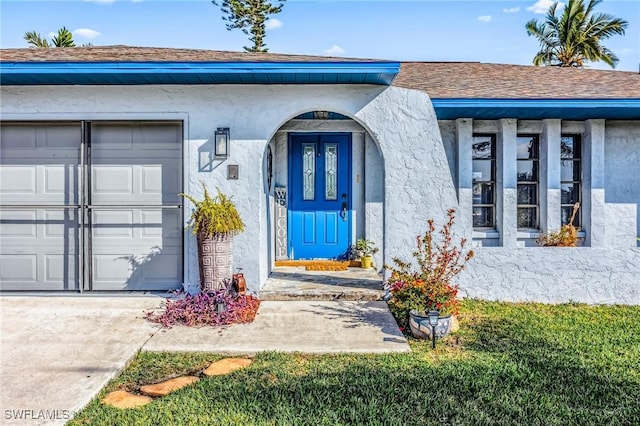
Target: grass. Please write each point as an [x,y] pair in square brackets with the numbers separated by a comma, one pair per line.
[509,364]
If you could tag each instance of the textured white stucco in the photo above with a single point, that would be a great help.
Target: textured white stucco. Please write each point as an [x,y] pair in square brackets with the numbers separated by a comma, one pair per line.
[622,165]
[554,275]
[408,173]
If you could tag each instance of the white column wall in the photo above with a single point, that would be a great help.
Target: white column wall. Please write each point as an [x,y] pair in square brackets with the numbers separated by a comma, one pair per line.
[464,138]
[507,182]
[550,194]
[374,196]
[593,173]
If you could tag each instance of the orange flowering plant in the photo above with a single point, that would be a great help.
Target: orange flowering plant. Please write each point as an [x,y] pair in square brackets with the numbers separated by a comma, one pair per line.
[428,285]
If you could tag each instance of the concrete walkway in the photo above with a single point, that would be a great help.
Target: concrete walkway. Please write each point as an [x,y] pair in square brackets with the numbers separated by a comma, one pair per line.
[294,326]
[57,352]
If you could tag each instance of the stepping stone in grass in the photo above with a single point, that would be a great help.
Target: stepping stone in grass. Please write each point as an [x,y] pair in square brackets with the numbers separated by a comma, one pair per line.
[124,399]
[166,387]
[226,366]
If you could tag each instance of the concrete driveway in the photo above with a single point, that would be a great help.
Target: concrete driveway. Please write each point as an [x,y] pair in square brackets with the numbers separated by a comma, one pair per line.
[57,352]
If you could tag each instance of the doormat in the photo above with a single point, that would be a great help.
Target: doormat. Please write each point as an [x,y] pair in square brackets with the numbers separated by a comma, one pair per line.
[316,265]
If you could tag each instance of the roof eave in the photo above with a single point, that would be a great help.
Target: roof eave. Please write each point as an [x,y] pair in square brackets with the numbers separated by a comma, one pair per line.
[140,73]
[537,109]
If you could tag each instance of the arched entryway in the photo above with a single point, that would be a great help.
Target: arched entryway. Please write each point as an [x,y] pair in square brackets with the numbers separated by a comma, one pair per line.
[325,179]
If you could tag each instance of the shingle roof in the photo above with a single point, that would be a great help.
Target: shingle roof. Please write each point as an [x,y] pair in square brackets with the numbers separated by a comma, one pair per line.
[478,80]
[441,80]
[153,54]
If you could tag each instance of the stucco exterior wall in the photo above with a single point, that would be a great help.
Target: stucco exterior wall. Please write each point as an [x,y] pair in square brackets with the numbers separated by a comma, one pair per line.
[554,275]
[400,122]
[622,165]
[410,165]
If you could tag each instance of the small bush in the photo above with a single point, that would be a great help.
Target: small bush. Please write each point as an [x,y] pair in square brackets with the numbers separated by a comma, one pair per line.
[429,284]
[200,309]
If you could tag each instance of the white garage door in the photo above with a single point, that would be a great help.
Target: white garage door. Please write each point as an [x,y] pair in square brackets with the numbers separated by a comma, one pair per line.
[127,205]
[39,241]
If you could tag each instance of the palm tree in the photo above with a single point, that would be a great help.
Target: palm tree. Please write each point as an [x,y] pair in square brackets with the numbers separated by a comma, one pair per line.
[575,37]
[35,39]
[63,38]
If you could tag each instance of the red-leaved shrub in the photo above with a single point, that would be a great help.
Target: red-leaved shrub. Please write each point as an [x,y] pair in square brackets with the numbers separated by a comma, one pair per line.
[200,309]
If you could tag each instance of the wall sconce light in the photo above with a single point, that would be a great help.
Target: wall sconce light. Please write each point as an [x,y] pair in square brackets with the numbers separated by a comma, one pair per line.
[221,145]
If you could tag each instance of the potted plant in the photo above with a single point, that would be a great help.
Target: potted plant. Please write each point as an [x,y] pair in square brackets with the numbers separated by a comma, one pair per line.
[414,291]
[365,249]
[567,236]
[214,221]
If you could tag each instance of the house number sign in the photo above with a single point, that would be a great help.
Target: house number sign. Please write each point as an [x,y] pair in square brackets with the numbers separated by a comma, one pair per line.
[281,222]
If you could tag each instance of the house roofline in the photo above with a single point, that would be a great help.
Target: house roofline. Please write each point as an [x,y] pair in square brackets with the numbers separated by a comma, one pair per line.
[140,73]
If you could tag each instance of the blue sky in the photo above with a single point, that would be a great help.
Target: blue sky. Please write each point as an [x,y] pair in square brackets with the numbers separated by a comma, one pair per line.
[421,30]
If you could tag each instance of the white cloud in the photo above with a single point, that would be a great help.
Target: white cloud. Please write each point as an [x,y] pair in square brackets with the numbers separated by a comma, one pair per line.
[52,35]
[334,50]
[273,23]
[542,6]
[484,18]
[512,10]
[86,33]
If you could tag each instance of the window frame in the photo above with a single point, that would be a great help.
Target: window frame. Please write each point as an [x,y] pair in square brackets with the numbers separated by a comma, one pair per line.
[492,181]
[535,183]
[576,138]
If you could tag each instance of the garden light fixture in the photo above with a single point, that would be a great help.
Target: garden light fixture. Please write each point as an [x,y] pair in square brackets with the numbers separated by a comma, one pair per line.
[221,143]
[221,306]
[433,321]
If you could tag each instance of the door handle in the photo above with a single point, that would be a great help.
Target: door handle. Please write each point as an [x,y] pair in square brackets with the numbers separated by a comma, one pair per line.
[343,212]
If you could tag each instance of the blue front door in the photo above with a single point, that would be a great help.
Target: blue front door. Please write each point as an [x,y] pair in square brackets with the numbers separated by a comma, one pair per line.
[320,195]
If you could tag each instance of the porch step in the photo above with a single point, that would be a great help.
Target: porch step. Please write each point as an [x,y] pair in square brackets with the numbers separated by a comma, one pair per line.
[295,283]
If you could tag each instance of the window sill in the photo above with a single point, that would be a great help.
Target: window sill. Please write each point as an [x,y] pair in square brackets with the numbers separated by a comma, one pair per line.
[529,233]
[491,233]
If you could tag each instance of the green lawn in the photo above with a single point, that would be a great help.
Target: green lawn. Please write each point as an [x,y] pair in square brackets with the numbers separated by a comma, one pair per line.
[525,364]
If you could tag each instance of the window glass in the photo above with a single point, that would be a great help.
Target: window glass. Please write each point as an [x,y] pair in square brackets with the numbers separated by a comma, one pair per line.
[484,178]
[570,177]
[528,176]
[331,171]
[309,170]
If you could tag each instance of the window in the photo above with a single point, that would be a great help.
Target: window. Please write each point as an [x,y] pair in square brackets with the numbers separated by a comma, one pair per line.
[570,177]
[484,181]
[528,181]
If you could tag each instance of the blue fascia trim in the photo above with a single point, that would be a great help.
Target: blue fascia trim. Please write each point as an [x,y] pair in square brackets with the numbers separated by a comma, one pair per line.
[386,71]
[535,103]
[578,109]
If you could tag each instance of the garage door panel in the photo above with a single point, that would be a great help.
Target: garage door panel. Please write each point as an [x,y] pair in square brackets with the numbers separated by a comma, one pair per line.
[61,223]
[112,224]
[143,169]
[163,225]
[19,267]
[109,137]
[60,269]
[18,180]
[18,137]
[163,136]
[17,224]
[107,182]
[133,163]
[61,137]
